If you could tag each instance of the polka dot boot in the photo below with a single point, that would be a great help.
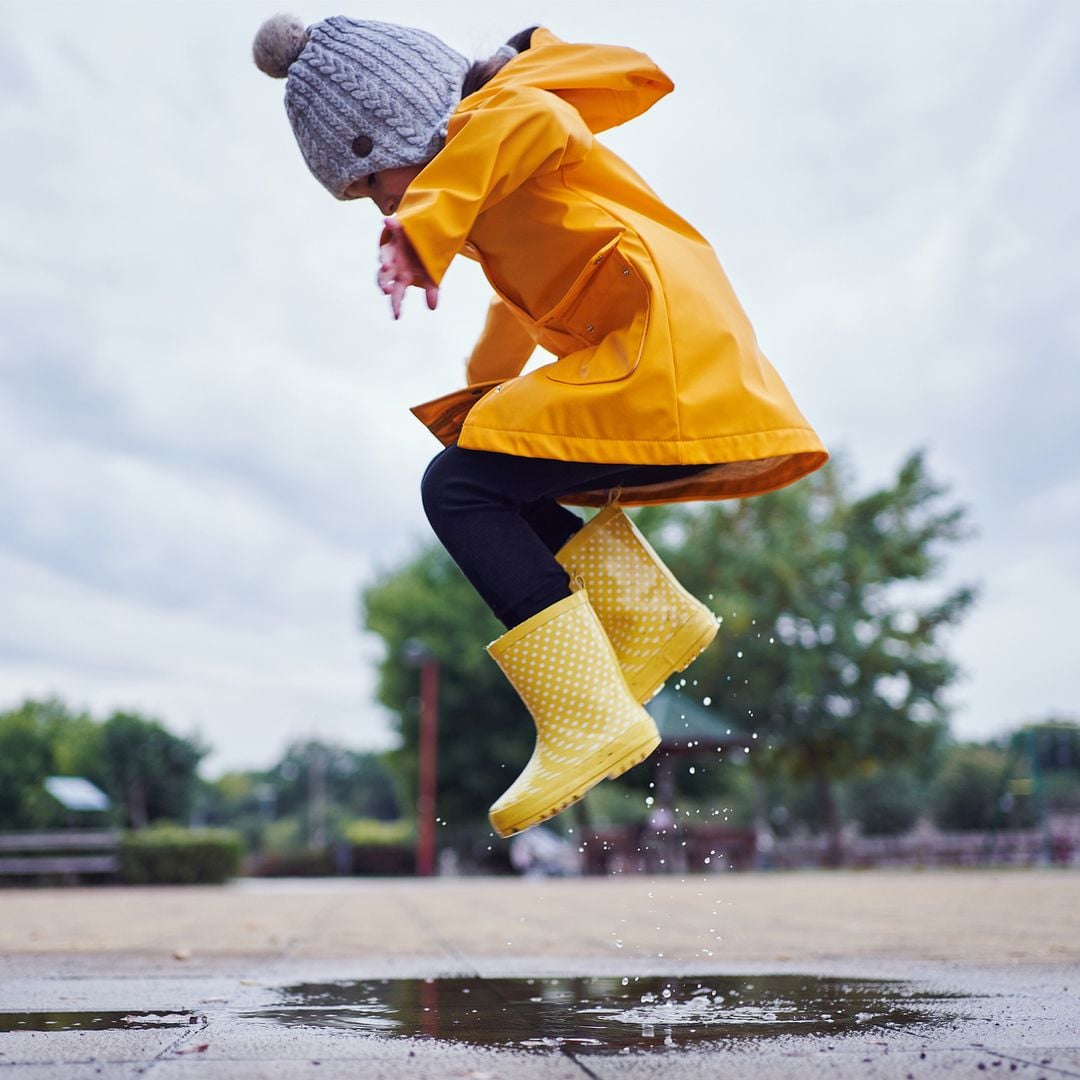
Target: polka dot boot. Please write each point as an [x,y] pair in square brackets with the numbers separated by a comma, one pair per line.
[589,727]
[656,627]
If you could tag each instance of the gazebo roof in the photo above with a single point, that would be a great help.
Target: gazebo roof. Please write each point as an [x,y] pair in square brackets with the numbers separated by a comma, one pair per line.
[76,793]
[685,724]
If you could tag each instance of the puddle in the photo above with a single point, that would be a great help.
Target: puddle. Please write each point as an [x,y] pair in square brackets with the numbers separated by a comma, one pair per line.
[597,1015]
[91,1021]
[606,1014]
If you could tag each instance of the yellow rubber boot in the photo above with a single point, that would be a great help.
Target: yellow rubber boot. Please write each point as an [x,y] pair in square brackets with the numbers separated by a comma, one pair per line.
[589,727]
[656,627]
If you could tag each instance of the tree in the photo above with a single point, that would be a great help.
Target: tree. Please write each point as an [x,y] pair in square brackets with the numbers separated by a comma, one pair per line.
[485,734]
[40,739]
[326,784]
[829,646]
[149,773]
[26,759]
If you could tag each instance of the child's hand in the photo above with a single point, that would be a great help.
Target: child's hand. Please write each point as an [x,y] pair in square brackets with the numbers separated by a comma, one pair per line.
[399,267]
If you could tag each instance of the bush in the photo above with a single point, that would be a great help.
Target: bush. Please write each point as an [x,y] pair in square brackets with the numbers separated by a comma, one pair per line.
[884,804]
[370,832]
[380,848]
[171,855]
[963,792]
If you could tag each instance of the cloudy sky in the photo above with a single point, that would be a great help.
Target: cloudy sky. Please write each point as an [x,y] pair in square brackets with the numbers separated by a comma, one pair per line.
[204,439]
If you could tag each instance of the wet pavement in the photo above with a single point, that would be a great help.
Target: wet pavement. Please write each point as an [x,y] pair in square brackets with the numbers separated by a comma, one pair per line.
[107,982]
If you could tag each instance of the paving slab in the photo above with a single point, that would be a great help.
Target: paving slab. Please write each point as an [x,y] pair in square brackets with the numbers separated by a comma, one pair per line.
[216,974]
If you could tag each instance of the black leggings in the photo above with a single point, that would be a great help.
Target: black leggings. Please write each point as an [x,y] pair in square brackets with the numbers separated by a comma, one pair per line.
[498,517]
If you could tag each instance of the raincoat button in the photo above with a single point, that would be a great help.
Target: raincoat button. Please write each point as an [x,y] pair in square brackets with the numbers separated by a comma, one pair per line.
[599,259]
[626,271]
[588,328]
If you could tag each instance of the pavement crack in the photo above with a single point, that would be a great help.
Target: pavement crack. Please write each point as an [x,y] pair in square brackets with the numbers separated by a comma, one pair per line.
[169,1052]
[584,1068]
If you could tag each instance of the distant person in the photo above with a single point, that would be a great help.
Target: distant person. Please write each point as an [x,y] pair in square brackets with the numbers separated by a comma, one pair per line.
[657,391]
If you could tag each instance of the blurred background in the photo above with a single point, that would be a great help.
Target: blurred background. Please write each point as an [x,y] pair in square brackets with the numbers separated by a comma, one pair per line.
[218,594]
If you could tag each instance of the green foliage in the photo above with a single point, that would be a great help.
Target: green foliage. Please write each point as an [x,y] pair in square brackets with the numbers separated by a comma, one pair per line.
[303,802]
[612,803]
[40,739]
[286,834]
[27,756]
[167,854]
[1063,790]
[356,784]
[792,803]
[1057,745]
[148,772]
[233,800]
[887,802]
[485,734]
[828,646]
[368,832]
[966,789]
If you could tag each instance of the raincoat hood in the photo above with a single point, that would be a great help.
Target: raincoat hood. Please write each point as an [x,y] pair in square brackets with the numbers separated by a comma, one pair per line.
[607,84]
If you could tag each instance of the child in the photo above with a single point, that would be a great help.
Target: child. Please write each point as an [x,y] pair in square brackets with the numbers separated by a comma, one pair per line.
[657,391]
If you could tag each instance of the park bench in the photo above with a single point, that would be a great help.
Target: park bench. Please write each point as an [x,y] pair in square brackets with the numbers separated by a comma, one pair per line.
[59,852]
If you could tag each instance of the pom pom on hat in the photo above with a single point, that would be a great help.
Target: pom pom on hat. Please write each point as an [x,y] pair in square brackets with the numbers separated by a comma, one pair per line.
[361,96]
[278,44]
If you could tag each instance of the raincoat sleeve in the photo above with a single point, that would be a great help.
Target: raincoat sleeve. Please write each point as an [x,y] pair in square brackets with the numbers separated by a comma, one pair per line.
[503,349]
[490,151]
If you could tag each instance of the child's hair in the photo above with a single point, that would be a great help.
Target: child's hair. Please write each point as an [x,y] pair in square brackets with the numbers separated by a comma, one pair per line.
[483,71]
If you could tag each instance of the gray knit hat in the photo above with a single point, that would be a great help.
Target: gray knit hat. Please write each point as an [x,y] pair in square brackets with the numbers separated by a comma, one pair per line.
[361,96]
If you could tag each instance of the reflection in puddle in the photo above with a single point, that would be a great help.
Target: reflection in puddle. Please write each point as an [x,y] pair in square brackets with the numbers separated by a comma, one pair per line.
[605,1014]
[92,1021]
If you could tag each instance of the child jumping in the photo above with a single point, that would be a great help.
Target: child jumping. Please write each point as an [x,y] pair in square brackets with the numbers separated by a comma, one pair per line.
[657,391]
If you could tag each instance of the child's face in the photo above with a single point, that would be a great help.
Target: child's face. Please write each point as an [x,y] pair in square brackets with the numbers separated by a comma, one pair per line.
[385,187]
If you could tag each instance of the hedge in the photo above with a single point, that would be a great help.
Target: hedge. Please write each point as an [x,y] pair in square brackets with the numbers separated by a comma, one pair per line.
[170,855]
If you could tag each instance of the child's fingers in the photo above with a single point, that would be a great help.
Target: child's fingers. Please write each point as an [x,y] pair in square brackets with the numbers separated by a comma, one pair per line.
[397,292]
[432,294]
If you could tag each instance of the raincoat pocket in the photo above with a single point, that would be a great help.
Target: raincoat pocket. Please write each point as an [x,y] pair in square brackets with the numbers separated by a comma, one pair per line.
[598,327]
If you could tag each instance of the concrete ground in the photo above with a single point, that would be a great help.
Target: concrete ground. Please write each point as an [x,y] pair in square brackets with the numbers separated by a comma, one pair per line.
[995,957]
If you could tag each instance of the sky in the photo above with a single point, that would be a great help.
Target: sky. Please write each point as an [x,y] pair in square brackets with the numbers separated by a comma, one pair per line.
[205,448]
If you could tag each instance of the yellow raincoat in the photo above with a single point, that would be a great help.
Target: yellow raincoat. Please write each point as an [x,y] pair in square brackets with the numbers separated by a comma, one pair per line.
[655,361]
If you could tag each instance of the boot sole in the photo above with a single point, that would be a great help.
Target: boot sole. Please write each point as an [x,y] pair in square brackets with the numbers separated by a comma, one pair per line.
[620,755]
[687,644]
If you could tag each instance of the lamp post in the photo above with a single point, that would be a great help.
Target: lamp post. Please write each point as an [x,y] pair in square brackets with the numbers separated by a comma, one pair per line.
[417,654]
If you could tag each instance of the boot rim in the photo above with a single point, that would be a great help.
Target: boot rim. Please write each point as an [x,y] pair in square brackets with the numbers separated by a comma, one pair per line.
[523,629]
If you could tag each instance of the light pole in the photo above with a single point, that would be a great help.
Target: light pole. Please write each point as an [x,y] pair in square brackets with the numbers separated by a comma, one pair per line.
[417,654]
